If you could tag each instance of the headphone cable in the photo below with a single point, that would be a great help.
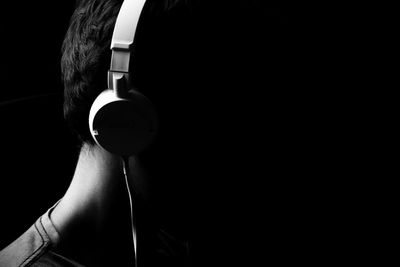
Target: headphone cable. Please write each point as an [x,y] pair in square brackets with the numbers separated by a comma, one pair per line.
[125,163]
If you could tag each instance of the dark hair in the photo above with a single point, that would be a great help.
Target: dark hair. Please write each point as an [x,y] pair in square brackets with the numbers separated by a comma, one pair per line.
[85,60]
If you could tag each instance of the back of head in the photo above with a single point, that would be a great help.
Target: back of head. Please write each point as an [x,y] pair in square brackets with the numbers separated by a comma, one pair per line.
[86,55]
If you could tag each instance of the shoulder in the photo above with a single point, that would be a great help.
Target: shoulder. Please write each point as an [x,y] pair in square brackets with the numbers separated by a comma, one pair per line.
[34,247]
[27,248]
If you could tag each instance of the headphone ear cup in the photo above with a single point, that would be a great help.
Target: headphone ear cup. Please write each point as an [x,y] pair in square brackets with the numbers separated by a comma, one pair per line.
[123,126]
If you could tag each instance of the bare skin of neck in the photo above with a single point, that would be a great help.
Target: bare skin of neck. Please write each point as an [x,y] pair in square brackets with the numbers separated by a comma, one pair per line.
[93,216]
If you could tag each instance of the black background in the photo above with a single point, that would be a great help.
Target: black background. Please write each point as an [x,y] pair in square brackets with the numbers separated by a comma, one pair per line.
[274,165]
[37,152]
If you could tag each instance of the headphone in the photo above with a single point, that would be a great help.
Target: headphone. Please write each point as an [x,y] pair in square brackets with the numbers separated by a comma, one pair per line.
[122,120]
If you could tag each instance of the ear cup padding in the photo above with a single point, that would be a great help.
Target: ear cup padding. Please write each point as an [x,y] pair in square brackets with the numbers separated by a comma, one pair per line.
[122,126]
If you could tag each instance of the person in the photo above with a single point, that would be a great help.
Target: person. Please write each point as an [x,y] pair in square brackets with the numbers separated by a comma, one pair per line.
[90,225]
[187,60]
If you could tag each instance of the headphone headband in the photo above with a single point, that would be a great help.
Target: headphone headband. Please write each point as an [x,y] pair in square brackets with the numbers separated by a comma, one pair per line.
[122,40]
[122,120]
[126,24]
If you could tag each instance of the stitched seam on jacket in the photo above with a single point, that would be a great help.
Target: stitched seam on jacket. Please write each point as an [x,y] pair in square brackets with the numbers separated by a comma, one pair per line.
[35,253]
[44,229]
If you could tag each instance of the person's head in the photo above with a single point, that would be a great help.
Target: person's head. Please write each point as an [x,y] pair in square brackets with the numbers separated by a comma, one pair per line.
[86,56]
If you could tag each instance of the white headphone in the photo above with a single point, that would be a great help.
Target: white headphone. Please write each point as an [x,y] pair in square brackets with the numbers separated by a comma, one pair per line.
[122,120]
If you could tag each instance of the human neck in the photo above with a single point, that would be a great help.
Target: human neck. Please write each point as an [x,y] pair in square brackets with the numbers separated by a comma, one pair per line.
[95,203]
[97,178]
